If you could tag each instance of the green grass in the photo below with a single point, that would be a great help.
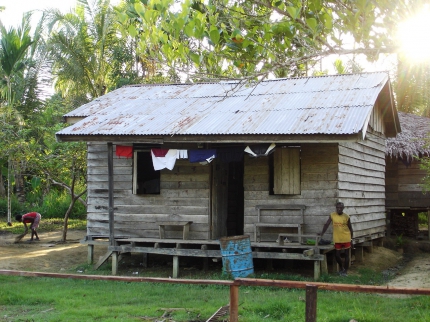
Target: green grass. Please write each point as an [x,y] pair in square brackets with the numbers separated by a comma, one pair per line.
[44,299]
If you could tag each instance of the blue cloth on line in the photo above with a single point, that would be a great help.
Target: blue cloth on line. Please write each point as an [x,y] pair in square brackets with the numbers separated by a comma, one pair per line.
[201,155]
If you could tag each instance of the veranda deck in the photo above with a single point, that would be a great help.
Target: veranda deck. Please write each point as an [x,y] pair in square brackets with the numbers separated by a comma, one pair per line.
[206,249]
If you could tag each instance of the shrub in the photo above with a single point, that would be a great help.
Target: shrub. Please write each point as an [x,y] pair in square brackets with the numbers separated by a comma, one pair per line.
[422,218]
[52,205]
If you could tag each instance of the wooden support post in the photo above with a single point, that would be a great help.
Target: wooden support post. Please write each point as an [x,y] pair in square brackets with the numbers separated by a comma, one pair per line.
[234,303]
[114,263]
[269,264]
[205,259]
[311,303]
[359,254]
[145,260]
[186,231]
[90,257]
[388,223]
[176,262]
[110,195]
[162,231]
[368,245]
[428,220]
[324,269]
[175,266]
[317,270]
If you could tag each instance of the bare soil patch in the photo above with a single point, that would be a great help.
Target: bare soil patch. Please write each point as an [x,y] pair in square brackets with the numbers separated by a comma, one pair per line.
[50,255]
[46,255]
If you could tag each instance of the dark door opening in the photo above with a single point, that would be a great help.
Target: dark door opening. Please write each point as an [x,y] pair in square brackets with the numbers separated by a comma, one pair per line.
[227,199]
[235,200]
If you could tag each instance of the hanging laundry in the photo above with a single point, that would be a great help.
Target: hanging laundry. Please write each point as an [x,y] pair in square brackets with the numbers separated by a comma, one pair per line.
[230,154]
[160,152]
[163,158]
[182,154]
[259,150]
[205,156]
[124,151]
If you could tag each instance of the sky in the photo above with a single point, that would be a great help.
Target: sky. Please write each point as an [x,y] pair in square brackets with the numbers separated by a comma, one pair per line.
[11,17]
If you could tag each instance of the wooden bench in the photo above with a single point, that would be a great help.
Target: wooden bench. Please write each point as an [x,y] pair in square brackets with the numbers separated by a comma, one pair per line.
[184,224]
[281,239]
[260,224]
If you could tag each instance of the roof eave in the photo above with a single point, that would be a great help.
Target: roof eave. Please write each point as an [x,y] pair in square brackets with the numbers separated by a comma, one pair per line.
[246,139]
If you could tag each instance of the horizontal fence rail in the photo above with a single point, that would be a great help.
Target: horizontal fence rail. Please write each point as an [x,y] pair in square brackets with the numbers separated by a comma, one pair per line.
[310,287]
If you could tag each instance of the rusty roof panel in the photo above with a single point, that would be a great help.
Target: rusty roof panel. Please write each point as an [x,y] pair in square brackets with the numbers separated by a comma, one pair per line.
[337,104]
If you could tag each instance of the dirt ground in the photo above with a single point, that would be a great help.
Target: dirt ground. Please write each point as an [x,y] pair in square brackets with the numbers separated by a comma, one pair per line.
[49,255]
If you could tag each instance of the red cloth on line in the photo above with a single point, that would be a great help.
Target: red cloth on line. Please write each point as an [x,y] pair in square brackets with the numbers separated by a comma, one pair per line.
[124,151]
[160,153]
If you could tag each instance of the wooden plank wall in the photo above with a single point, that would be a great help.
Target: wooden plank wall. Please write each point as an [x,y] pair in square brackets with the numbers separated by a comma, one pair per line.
[184,196]
[362,183]
[403,185]
[318,190]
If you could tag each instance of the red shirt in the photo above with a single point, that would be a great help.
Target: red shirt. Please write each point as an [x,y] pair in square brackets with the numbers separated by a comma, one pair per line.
[29,218]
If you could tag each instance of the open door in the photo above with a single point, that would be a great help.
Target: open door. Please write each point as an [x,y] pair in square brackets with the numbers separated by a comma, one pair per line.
[227,199]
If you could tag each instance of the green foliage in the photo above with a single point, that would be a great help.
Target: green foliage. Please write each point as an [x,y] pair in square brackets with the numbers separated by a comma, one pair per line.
[16,207]
[80,44]
[52,205]
[400,242]
[55,205]
[412,87]
[255,39]
[47,224]
[422,218]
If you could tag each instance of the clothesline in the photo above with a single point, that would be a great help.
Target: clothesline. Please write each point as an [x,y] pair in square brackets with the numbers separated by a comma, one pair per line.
[166,158]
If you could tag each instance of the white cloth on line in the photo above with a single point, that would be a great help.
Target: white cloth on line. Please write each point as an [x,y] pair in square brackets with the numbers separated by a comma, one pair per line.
[168,161]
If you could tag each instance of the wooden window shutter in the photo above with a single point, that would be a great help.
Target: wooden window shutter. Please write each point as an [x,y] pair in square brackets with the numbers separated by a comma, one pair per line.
[287,171]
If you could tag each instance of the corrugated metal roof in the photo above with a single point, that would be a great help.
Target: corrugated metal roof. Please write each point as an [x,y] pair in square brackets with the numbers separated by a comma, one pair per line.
[337,104]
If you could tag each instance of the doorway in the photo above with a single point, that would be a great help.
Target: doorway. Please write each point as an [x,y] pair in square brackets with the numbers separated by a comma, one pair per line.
[227,199]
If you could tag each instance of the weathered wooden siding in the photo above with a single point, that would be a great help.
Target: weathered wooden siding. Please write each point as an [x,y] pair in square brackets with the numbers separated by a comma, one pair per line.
[402,184]
[184,196]
[376,121]
[318,190]
[361,183]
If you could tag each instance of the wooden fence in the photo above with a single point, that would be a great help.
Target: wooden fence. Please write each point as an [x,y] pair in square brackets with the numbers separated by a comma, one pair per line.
[310,287]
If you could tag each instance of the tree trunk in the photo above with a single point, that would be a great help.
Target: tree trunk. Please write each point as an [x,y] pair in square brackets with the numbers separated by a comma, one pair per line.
[19,181]
[66,219]
[2,188]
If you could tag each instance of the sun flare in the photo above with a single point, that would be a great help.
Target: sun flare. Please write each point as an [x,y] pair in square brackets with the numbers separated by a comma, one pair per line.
[414,37]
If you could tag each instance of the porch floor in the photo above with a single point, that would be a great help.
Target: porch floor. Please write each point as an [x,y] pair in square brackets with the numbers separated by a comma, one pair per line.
[207,249]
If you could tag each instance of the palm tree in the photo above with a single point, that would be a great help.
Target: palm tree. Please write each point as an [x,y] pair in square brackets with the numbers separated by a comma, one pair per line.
[413,88]
[21,60]
[80,45]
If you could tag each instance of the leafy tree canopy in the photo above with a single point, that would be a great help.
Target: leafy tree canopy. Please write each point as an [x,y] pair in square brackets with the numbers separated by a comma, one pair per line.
[251,38]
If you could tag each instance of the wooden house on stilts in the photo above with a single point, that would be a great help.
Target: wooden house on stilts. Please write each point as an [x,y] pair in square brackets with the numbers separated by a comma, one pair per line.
[405,198]
[172,168]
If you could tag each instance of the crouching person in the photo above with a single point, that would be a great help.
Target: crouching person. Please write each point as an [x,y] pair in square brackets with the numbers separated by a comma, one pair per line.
[32,218]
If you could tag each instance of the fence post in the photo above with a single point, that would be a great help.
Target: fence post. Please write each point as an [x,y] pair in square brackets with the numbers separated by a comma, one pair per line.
[234,303]
[311,303]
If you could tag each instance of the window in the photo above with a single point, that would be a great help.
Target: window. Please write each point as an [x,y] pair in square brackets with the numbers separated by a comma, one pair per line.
[284,166]
[145,179]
